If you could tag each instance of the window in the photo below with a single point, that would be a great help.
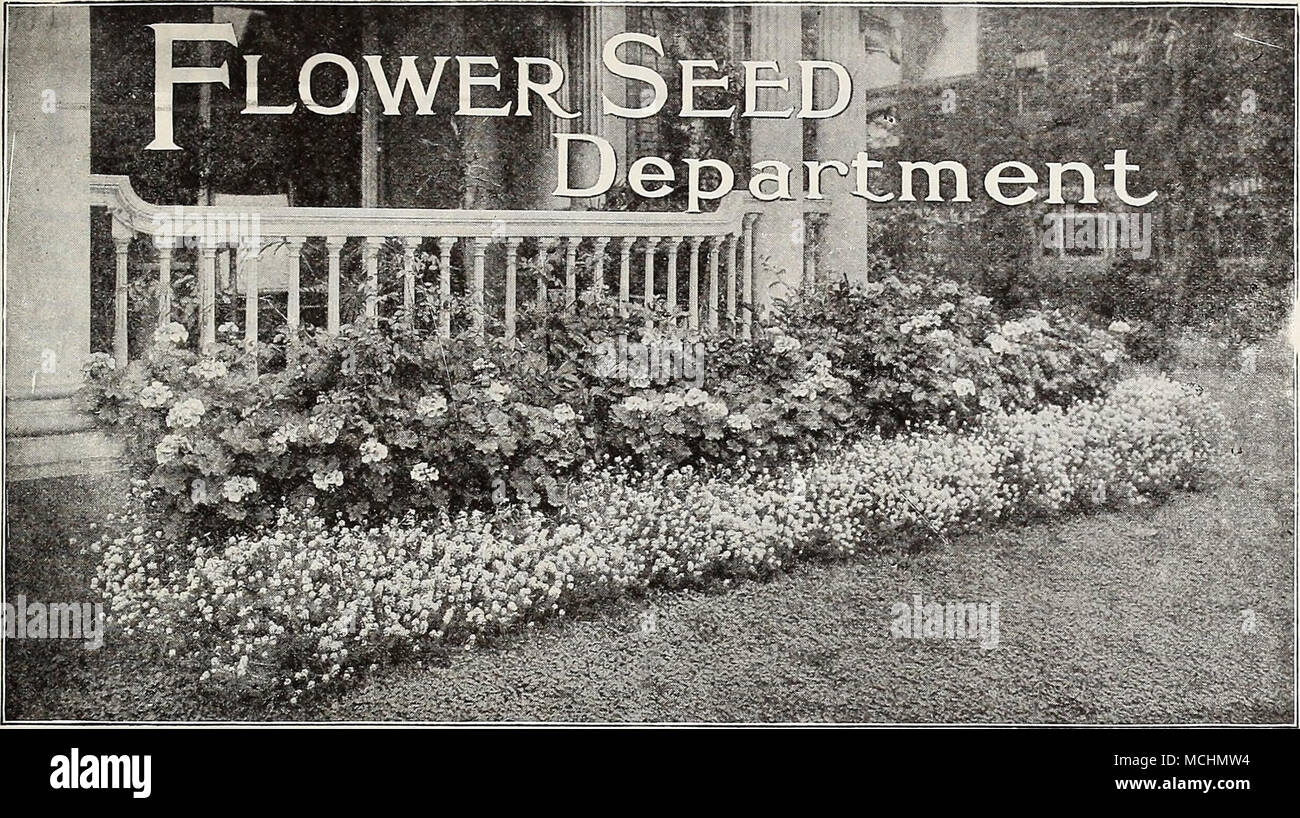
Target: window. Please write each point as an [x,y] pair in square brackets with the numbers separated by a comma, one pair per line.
[919,45]
[881,36]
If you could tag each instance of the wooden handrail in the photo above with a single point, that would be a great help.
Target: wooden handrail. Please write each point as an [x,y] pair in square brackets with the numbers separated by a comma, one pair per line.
[117,194]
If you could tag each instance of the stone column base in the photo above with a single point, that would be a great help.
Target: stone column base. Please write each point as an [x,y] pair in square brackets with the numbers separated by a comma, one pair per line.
[47,436]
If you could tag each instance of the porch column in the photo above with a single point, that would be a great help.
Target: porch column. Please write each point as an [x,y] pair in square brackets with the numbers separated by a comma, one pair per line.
[47,284]
[554,25]
[840,38]
[775,34]
[47,232]
[591,81]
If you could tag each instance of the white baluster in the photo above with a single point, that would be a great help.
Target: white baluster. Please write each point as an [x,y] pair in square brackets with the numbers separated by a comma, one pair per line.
[512,269]
[294,245]
[651,243]
[571,272]
[165,283]
[731,281]
[715,247]
[207,295]
[598,274]
[122,246]
[693,286]
[476,287]
[409,246]
[249,254]
[370,249]
[224,263]
[333,248]
[228,265]
[542,265]
[673,243]
[445,246]
[747,317]
[625,273]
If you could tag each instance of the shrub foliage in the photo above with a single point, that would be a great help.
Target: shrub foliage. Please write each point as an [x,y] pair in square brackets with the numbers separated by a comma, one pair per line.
[388,417]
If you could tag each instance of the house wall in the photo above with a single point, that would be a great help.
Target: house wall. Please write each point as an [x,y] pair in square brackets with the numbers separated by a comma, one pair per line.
[1079,106]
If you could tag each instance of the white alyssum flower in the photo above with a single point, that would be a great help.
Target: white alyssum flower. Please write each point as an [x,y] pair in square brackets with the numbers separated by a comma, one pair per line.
[740,421]
[715,410]
[786,343]
[963,387]
[999,344]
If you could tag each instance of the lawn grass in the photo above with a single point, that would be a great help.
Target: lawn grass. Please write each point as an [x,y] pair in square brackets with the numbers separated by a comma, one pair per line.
[1133,616]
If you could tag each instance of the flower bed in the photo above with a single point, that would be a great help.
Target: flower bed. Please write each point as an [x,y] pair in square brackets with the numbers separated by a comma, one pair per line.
[307,601]
[385,418]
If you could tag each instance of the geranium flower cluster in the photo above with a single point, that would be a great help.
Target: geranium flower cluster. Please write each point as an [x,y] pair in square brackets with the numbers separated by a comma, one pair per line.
[925,350]
[340,425]
[347,419]
[306,601]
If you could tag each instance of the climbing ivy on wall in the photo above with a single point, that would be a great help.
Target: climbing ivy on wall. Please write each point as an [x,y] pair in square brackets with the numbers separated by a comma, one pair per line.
[691,34]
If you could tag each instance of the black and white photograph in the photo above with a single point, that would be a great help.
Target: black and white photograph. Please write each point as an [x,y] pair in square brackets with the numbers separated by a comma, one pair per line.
[599,364]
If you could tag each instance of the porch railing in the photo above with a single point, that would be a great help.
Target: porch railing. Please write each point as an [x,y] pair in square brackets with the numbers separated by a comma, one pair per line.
[717,247]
